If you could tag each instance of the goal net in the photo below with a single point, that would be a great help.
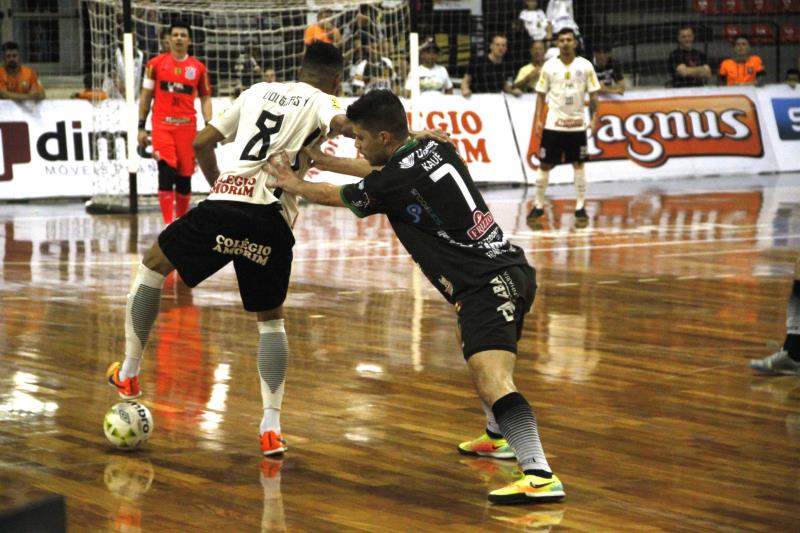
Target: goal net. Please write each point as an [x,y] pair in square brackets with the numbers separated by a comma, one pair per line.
[241,42]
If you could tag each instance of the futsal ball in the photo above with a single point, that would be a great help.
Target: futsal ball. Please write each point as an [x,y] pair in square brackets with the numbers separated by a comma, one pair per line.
[128,425]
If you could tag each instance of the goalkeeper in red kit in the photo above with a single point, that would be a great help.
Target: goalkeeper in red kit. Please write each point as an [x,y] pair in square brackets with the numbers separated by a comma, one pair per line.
[173,79]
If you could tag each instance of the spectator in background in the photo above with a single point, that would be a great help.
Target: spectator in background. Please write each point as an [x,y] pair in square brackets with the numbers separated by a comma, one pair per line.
[375,71]
[115,87]
[18,81]
[609,71]
[558,23]
[529,74]
[490,73]
[269,75]
[324,30]
[536,23]
[247,69]
[793,77]
[89,92]
[163,38]
[432,77]
[743,68]
[688,67]
[559,8]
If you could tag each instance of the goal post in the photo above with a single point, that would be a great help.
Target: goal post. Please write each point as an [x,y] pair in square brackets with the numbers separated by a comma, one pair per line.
[239,41]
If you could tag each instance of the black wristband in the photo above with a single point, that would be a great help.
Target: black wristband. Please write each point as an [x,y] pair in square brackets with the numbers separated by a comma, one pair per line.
[141,124]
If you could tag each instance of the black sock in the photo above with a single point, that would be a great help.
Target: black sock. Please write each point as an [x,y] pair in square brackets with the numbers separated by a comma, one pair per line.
[792,345]
[539,473]
[493,434]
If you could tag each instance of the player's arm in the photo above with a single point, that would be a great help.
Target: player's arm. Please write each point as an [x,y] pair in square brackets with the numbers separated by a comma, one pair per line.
[318,193]
[145,98]
[341,165]
[593,101]
[204,144]
[205,108]
[537,115]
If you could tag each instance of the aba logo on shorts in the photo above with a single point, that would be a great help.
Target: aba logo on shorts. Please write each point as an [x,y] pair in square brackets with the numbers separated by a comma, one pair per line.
[258,253]
[16,147]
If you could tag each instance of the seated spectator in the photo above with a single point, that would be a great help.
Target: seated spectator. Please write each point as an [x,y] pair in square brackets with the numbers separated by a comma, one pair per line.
[529,74]
[374,72]
[323,30]
[688,67]
[743,68]
[269,75]
[793,77]
[536,23]
[490,73]
[88,92]
[247,68]
[18,81]
[432,77]
[609,71]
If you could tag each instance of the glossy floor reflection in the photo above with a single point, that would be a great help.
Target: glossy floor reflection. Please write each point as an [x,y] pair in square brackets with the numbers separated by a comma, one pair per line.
[634,358]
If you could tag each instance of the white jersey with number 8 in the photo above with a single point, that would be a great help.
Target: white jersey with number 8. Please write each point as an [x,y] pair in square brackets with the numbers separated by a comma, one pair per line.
[266,119]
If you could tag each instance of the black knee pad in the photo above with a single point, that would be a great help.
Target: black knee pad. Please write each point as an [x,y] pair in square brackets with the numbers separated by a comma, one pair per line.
[183,184]
[166,176]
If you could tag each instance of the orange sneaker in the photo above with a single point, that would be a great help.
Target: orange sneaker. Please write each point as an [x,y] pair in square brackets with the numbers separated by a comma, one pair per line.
[272,443]
[128,389]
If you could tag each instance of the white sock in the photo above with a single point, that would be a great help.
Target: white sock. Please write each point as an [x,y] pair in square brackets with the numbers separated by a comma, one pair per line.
[273,358]
[144,300]
[542,179]
[580,187]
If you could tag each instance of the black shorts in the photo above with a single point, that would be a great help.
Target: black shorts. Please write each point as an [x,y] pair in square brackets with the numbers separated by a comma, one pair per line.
[255,237]
[563,147]
[492,317]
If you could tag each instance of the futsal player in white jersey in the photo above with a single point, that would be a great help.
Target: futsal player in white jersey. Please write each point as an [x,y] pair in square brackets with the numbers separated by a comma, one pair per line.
[244,220]
[564,80]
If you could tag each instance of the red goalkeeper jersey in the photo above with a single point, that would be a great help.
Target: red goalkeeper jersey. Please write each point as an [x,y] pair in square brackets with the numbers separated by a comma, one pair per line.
[175,85]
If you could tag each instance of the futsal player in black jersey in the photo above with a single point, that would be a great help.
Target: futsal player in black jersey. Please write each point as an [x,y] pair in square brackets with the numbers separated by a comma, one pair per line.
[425,190]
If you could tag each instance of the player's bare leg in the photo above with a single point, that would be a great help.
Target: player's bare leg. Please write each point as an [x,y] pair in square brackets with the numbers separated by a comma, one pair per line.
[167,176]
[144,301]
[542,180]
[580,191]
[273,359]
[492,373]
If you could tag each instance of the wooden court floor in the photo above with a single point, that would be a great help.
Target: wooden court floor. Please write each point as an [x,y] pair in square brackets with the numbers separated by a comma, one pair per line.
[634,358]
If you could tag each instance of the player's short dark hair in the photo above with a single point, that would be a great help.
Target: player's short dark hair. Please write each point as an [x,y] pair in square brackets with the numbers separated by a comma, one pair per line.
[380,110]
[793,71]
[10,45]
[322,57]
[684,27]
[181,24]
[567,30]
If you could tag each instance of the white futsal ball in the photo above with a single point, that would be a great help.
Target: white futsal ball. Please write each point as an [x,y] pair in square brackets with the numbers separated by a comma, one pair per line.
[128,425]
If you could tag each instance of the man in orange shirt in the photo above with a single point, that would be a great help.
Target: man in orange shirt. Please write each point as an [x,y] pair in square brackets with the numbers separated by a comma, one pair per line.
[17,81]
[173,80]
[744,68]
[324,30]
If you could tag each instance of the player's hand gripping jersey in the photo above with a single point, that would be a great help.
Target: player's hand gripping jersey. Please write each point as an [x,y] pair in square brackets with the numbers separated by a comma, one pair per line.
[439,216]
[271,118]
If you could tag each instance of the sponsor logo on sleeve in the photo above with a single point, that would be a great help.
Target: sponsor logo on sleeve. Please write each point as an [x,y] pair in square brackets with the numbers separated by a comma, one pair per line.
[483,221]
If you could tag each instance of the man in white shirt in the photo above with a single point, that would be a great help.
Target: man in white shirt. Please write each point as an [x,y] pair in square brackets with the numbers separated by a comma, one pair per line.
[565,80]
[432,77]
